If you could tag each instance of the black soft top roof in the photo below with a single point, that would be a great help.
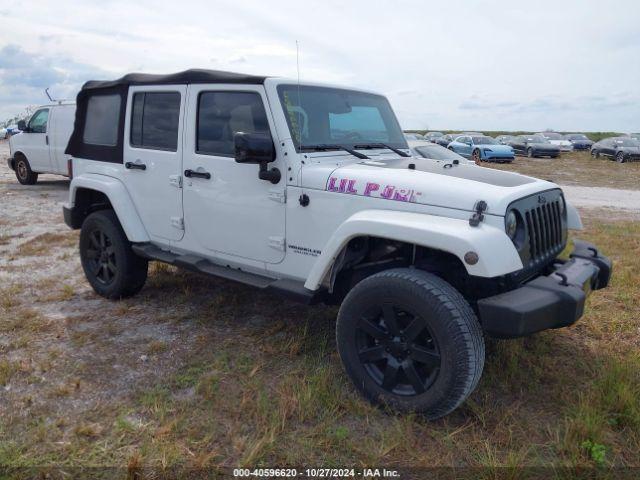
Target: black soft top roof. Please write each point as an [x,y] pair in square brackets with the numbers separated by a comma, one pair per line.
[194,75]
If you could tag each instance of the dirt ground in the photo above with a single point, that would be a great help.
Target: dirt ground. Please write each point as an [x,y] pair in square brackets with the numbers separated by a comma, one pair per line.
[203,373]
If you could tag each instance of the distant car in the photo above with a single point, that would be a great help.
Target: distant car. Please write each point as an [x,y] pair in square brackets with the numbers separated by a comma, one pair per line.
[481,148]
[504,139]
[446,139]
[433,136]
[426,149]
[559,140]
[3,133]
[13,130]
[413,136]
[579,141]
[534,146]
[622,149]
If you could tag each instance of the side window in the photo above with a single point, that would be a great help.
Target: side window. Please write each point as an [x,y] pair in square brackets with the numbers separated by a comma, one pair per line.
[103,120]
[38,122]
[155,118]
[222,114]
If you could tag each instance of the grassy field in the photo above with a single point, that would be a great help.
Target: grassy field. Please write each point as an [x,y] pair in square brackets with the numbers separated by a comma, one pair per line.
[237,378]
[577,168]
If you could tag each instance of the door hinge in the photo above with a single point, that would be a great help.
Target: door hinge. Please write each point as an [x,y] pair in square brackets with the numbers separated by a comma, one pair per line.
[177,222]
[277,243]
[175,180]
[279,196]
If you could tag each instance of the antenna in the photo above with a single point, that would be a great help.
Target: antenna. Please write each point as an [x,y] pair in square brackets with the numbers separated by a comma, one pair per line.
[46,91]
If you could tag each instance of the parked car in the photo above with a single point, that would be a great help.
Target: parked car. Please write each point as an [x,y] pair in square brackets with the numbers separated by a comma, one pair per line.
[241,177]
[4,133]
[482,149]
[557,139]
[534,146]
[432,151]
[504,139]
[433,136]
[579,141]
[40,146]
[13,130]
[413,136]
[445,140]
[622,149]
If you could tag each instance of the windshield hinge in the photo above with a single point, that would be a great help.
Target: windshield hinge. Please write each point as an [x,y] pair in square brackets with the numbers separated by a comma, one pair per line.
[480,207]
[279,196]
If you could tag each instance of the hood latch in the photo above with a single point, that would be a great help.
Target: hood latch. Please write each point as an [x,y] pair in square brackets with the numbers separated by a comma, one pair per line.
[480,207]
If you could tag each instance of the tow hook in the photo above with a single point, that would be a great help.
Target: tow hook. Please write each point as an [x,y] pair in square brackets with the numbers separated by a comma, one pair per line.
[480,207]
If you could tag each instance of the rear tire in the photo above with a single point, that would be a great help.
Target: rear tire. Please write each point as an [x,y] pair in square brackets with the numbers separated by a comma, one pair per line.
[110,265]
[411,342]
[24,174]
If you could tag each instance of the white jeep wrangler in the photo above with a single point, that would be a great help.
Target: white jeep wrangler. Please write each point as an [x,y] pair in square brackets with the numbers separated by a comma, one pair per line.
[309,191]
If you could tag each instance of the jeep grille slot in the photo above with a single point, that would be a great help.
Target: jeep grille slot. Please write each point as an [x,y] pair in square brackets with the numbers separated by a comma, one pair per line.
[545,228]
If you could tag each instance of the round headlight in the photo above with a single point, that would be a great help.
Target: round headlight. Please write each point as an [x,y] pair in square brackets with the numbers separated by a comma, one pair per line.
[511,224]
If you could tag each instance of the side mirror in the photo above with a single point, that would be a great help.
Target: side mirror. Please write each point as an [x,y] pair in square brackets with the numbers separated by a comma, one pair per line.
[257,148]
[22,125]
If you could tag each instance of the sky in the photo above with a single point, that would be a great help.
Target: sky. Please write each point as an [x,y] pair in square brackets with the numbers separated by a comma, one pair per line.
[567,65]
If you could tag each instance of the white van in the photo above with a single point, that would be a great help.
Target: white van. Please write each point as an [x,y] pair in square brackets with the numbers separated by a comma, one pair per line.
[41,145]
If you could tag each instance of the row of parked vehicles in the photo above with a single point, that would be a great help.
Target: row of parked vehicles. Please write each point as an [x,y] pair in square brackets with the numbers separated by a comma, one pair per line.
[312,192]
[503,148]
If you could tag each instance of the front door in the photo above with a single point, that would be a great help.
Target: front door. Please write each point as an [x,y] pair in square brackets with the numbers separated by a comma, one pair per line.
[230,211]
[36,141]
[153,157]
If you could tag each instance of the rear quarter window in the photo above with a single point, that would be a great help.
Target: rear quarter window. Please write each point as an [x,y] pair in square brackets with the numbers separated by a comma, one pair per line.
[102,120]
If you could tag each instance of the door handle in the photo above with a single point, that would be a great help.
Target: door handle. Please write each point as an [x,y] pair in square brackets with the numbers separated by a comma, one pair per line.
[46,139]
[135,166]
[194,174]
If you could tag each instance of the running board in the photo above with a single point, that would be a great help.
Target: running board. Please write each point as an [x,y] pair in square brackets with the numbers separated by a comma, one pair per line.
[291,289]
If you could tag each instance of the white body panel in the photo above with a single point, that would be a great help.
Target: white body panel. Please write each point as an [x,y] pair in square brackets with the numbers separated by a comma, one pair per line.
[236,219]
[45,150]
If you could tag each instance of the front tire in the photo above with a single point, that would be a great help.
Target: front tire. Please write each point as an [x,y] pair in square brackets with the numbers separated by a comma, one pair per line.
[110,265]
[24,174]
[410,341]
[530,152]
[595,154]
[620,157]
[476,156]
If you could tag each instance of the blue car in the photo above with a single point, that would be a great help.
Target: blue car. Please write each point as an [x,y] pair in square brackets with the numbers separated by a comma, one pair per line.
[481,148]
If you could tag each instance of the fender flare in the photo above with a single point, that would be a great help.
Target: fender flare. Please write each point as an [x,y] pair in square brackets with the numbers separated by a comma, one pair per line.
[574,222]
[497,255]
[120,200]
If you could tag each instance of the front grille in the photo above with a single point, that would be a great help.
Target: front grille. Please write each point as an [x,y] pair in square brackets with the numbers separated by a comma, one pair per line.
[545,227]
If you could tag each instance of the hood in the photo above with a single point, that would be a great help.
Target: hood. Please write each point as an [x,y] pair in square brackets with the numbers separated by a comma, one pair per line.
[560,142]
[496,147]
[433,183]
[543,146]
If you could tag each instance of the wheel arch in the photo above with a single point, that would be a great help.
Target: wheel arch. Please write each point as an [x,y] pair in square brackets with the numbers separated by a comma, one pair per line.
[91,192]
[455,237]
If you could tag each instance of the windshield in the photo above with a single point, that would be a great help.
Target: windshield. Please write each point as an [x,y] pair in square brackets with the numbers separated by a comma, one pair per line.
[553,136]
[331,116]
[628,142]
[537,139]
[437,152]
[577,137]
[435,134]
[484,141]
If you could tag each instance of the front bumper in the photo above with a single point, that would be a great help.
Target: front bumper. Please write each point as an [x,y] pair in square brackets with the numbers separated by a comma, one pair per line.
[553,301]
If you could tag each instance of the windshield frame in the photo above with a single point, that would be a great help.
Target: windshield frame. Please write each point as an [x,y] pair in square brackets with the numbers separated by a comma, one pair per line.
[300,147]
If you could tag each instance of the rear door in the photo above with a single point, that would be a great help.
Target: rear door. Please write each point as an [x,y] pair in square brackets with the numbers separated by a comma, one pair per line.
[61,121]
[231,211]
[36,141]
[153,157]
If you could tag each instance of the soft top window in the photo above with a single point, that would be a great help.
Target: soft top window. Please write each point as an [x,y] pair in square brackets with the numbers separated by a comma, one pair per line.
[102,120]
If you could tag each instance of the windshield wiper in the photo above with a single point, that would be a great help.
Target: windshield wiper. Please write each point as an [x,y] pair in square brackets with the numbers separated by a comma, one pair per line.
[383,145]
[324,147]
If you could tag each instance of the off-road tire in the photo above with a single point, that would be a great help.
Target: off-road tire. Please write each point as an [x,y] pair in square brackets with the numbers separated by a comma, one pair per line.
[530,152]
[106,252]
[449,322]
[620,157]
[24,174]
